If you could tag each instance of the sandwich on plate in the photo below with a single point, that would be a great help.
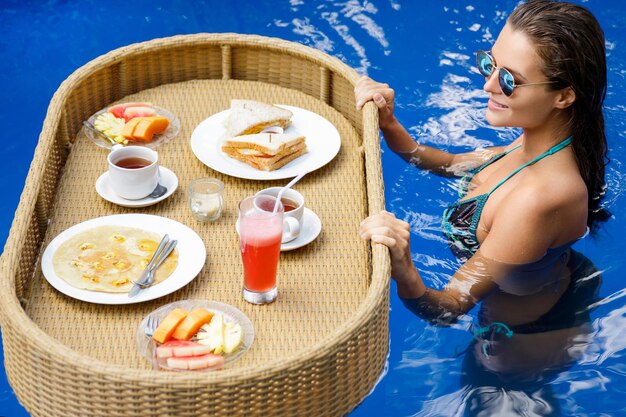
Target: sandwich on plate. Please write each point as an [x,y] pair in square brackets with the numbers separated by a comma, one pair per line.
[248,117]
[265,151]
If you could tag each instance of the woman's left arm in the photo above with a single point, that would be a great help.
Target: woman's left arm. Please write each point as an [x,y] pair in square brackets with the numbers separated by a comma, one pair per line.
[467,286]
[522,237]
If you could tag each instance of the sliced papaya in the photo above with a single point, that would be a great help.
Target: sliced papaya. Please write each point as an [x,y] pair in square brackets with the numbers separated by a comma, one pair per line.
[166,327]
[192,323]
[147,127]
[129,128]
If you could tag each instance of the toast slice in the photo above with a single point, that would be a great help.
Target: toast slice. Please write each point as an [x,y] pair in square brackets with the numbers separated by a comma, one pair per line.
[266,162]
[248,117]
[264,143]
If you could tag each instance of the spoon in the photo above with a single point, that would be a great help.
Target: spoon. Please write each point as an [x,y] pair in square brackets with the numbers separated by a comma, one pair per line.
[114,144]
[282,190]
[160,189]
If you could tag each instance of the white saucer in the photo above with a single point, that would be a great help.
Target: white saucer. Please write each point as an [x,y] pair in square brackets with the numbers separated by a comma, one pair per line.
[312,228]
[168,179]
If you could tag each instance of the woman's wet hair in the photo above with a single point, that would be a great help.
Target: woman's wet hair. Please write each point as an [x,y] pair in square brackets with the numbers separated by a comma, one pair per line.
[570,43]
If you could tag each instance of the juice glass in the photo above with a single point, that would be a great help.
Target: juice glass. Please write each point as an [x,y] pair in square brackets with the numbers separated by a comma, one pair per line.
[260,233]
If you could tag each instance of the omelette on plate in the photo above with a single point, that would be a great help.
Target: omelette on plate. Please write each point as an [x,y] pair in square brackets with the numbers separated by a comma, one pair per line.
[109,258]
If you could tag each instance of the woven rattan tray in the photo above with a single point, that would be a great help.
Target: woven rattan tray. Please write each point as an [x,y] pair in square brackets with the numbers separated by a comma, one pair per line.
[319,349]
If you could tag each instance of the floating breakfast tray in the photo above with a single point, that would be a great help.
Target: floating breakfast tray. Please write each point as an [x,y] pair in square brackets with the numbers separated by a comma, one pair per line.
[318,350]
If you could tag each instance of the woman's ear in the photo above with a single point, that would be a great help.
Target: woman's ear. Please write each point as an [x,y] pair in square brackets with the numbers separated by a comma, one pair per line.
[565,98]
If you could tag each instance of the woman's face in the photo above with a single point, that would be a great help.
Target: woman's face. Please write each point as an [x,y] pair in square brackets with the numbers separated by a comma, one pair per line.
[529,106]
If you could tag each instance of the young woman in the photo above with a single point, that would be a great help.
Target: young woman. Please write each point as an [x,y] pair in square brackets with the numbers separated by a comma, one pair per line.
[524,204]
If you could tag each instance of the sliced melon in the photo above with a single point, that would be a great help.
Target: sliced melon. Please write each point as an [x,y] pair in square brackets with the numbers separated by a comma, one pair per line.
[195,362]
[138,111]
[166,328]
[192,323]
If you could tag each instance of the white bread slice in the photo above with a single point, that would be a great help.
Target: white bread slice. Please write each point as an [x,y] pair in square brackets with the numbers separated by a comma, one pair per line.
[249,116]
[267,163]
[266,143]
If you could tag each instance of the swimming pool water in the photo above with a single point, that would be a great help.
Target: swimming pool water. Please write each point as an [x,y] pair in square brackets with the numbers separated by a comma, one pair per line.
[424,49]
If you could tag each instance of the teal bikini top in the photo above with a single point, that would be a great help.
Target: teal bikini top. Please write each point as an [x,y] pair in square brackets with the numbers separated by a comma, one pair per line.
[460,219]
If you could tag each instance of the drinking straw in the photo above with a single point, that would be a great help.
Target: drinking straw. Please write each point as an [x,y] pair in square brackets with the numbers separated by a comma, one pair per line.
[282,190]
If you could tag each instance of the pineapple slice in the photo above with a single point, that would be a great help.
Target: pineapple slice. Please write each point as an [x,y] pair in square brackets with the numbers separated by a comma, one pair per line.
[233,336]
[111,126]
[221,337]
[212,334]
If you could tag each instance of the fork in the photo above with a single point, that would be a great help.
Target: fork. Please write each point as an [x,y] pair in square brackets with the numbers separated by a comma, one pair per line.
[151,324]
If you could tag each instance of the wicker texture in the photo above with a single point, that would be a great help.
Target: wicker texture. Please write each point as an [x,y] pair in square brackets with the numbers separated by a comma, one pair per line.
[319,348]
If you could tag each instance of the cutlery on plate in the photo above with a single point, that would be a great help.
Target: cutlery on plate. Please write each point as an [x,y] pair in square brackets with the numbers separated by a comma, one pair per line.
[140,282]
[166,252]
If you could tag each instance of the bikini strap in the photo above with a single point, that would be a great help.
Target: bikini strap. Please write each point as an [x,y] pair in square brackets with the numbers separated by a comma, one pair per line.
[468,177]
[494,159]
[550,151]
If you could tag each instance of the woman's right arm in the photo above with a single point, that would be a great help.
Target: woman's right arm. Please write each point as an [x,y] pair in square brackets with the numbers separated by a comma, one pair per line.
[401,142]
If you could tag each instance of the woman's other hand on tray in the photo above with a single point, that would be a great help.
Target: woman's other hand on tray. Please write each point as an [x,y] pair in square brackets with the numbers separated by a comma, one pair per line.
[386,229]
[381,94]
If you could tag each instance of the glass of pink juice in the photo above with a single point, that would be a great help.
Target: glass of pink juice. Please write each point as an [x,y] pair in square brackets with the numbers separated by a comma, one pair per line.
[260,233]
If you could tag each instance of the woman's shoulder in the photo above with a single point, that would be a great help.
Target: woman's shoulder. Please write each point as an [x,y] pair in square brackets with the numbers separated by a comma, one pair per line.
[536,216]
[554,187]
[555,198]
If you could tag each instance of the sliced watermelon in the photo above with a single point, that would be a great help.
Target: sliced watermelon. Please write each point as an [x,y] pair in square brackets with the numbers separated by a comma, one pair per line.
[196,362]
[181,348]
[118,109]
[138,111]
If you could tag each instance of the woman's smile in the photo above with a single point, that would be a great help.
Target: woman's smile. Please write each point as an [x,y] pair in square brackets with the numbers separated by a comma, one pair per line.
[494,105]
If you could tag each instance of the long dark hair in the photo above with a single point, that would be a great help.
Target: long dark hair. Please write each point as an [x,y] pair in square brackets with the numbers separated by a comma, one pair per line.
[570,43]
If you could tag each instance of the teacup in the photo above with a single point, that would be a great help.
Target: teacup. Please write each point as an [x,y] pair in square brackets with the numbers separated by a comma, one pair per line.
[133,171]
[293,203]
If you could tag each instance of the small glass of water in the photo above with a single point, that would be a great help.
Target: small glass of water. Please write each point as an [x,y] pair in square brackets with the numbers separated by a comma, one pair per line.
[206,198]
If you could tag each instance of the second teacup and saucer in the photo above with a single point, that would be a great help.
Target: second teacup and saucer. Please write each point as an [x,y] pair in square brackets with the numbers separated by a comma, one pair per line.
[301,225]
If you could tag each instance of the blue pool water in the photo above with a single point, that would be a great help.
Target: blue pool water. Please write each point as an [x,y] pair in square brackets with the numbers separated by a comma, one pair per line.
[424,50]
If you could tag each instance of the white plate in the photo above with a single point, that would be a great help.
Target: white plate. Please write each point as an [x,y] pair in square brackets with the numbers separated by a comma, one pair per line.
[310,231]
[312,226]
[159,139]
[322,140]
[146,345]
[191,257]
[168,179]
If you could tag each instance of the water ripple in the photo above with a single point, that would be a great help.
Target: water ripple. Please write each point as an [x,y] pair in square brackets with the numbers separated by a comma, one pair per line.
[357,12]
[610,337]
[313,36]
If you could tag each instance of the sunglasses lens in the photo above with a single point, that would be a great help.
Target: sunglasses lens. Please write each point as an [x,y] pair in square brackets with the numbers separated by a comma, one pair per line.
[507,83]
[484,63]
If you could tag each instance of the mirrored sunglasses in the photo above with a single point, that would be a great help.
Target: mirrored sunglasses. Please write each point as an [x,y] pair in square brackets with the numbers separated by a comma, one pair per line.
[486,67]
